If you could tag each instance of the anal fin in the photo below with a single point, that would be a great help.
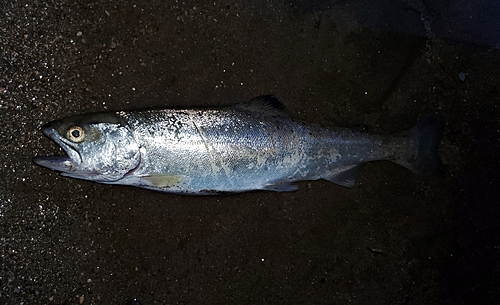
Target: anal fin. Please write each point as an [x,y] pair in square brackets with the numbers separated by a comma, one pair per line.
[345,178]
[281,187]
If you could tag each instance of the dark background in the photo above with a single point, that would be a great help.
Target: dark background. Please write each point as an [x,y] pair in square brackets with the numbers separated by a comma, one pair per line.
[396,238]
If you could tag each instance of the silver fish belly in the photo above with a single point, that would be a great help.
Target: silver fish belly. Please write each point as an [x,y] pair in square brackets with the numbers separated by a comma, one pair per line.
[248,146]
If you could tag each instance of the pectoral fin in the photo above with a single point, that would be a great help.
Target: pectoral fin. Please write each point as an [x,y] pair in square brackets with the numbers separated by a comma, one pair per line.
[159,180]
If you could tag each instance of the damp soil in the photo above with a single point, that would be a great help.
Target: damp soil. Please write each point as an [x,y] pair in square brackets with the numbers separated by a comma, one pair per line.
[395,238]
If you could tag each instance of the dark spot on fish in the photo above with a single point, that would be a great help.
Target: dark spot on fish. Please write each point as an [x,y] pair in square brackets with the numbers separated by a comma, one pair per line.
[214,192]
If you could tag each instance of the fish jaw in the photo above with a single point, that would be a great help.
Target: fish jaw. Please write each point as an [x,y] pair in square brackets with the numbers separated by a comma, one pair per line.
[64,164]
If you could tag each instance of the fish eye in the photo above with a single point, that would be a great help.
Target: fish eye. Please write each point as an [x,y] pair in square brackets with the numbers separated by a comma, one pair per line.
[75,134]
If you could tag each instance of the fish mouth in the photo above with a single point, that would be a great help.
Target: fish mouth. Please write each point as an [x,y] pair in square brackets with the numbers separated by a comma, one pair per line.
[64,164]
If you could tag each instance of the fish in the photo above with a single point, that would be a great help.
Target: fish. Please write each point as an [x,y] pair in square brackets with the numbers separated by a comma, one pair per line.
[254,145]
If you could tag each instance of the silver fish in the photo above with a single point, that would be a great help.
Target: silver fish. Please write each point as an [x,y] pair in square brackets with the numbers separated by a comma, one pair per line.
[254,145]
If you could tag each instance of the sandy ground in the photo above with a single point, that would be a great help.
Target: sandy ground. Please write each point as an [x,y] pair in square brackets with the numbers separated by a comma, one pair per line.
[396,238]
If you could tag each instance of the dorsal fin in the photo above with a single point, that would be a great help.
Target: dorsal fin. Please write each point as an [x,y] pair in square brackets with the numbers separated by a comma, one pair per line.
[264,104]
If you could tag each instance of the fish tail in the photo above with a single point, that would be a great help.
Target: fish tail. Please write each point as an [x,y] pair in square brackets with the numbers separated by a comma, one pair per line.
[424,158]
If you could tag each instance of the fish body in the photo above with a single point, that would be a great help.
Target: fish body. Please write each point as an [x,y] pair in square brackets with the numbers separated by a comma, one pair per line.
[249,146]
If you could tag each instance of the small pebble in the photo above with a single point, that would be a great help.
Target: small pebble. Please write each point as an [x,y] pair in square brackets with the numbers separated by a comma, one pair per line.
[462,76]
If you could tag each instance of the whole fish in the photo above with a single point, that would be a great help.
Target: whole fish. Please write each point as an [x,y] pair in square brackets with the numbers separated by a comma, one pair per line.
[254,145]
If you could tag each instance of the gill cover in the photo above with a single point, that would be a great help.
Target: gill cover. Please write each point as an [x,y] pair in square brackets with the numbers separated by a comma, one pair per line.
[101,147]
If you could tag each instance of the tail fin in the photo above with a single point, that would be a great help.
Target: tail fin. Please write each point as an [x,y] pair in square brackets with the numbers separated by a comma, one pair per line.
[427,134]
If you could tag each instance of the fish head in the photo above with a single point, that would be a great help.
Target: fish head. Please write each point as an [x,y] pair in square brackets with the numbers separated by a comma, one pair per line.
[100,147]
